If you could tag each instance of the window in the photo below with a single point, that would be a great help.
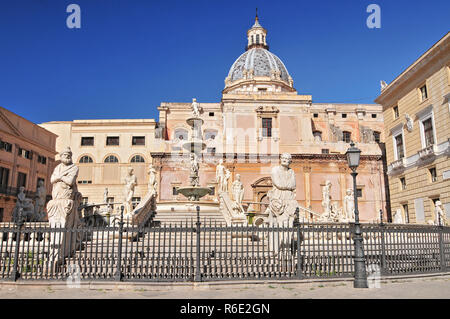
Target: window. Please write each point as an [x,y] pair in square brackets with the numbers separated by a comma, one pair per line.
[257,39]
[5,146]
[213,191]
[112,140]
[359,192]
[267,127]
[1,219]
[84,182]
[86,159]
[21,179]
[399,146]
[174,191]
[346,136]
[42,159]
[111,159]
[4,177]
[423,93]
[137,159]
[428,132]
[138,140]
[87,141]
[374,116]
[402,183]
[316,115]
[325,151]
[25,154]
[433,174]
[406,212]
[396,113]
[344,115]
[262,89]
[317,135]
[376,136]
[211,113]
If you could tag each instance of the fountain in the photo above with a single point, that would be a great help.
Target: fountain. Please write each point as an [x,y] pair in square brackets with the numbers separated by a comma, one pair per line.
[195,146]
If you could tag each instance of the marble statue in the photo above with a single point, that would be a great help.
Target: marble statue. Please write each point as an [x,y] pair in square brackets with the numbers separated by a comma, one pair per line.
[105,195]
[409,122]
[195,108]
[220,175]
[383,85]
[193,176]
[24,209]
[237,189]
[62,209]
[225,180]
[349,205]
[152,181]
[130,184]
[326,199]
[40,199]
[441,219]
[398,217]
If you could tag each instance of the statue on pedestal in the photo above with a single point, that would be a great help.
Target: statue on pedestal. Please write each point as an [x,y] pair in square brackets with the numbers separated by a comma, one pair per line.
[225,180]
[195,108]
[237,189]
[152,181]
[130,184]
[24,209]
[441,218]
[349,206]
[40,198]
[220,176]
[105,195]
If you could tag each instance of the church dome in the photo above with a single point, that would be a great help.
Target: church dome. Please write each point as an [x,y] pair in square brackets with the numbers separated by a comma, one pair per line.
[258,62]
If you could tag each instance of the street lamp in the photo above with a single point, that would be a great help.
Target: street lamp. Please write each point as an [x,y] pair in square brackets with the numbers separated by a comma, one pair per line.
[353,155]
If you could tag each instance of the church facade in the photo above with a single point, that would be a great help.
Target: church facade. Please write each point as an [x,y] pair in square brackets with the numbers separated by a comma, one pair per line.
[260,116]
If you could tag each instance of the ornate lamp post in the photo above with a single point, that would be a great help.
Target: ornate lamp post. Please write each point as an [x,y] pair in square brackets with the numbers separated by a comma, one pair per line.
[353,155]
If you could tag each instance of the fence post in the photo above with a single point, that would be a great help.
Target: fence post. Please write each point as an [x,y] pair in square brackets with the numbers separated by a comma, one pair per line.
[15,272]
[198,276]
[119,275]
[441,247]
[299,257]
[384,270]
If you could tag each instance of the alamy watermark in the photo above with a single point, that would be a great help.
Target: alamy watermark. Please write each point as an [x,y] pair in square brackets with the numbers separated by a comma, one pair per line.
[74,278]
[74,19]
[374,19]
[373,276]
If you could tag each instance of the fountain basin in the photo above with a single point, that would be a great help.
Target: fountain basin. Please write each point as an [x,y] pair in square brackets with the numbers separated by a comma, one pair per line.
[194,146]
[194,193]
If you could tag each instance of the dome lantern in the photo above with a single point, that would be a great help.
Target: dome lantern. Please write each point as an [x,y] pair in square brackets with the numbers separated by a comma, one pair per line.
[256,36]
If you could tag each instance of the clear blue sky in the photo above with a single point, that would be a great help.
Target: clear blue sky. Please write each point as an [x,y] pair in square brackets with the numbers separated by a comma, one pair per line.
[129,56]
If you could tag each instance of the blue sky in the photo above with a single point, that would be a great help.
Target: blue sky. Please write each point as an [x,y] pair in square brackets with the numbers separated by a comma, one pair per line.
[129,56]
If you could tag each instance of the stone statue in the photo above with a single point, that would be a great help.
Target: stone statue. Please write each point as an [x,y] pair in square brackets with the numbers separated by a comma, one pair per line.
[326,199]
[441,219]
[225,180]
[220,175]
[152,181]
[24,209]
[383,85]
[398,217]
[105,195]
[194,170]
[130,184]
[195,108]
[62,209]
[349,205]
[238,190]
[40,198]
[409,123]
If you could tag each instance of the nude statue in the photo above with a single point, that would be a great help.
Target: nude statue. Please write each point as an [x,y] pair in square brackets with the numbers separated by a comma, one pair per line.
[195,108]
[130,184]
[220,175]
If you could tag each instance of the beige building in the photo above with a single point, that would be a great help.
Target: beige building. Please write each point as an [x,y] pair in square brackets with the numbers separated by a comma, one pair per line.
[103,150]
[416,110]
[27,155]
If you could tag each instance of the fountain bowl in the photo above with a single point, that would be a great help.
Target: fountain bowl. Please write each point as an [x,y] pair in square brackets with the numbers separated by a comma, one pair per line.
[194,193]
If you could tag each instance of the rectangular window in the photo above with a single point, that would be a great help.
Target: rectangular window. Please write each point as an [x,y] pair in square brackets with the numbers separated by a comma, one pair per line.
[267,127]
[423,93]
[174,191]
[396,113]
[136,140]
[211,113]
[399,146]
[325,151]
[4,177]
[433,174]
[346,137]
[87,141]
[359,192]
[316,115]
[402,183]
[21,179]
[428,132]
[376,136]
[5,146]
[112,140]
[42,159]
[406,212]
[374,116]
[344,115]
[25,153]
[84,182]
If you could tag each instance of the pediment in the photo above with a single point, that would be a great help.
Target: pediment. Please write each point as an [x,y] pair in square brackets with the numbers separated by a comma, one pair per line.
[7,126]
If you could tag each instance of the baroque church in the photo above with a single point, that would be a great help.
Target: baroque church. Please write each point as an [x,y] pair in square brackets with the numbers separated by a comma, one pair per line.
[260,116]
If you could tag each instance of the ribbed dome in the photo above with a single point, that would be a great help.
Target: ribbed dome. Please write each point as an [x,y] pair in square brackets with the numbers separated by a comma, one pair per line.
[262,62]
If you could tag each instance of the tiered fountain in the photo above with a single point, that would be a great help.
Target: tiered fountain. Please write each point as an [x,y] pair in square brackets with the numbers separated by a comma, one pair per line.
[195,146]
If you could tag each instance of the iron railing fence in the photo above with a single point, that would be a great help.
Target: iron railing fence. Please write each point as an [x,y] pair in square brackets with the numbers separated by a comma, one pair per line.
[208,250]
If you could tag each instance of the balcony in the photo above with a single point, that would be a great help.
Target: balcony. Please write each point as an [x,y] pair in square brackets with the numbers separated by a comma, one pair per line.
[427,152]
[397,165]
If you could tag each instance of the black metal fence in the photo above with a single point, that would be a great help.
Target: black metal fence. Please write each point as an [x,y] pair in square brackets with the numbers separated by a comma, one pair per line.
[205,251]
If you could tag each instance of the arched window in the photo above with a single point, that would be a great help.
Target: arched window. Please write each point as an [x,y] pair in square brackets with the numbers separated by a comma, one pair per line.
[111,159]
[346,136]
[317,136]
[86,159]
[253,39]
[138,159]
[257,39]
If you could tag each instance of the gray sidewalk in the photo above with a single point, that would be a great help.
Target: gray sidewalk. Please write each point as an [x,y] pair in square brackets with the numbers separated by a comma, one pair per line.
[434,287]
